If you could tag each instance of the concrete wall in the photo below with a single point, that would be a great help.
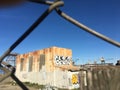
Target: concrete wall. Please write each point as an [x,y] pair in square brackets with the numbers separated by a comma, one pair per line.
[58,78]
[101,78]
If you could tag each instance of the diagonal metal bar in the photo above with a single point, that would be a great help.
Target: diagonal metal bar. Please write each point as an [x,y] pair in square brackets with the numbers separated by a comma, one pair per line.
[87,29]
[11,72]
[7,65]
[23,87]
[19,40]
[40,19]
[75,22]
[7,73]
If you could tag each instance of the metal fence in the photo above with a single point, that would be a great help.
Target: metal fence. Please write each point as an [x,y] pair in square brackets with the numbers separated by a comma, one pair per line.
[53,5]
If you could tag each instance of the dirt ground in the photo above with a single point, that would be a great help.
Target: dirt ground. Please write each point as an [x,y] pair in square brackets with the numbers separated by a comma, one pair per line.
[12,87]
[6,85]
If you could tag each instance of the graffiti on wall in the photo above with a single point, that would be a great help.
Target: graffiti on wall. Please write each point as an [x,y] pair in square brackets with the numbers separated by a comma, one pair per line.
[75,80]
[61,60]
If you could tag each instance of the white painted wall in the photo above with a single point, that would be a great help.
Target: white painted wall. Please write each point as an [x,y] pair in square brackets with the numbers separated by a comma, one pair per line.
[57,78]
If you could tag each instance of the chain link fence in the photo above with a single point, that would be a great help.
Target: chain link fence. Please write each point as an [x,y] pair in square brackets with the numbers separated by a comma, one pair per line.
[53,5]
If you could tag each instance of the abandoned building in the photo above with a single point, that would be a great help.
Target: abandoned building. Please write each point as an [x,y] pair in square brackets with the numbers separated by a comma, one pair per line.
[50,66]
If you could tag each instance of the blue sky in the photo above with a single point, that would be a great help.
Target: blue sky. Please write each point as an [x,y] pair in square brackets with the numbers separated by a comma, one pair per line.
[100,15]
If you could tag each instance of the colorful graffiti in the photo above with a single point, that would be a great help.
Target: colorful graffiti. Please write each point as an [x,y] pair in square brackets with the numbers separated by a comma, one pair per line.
[74,79]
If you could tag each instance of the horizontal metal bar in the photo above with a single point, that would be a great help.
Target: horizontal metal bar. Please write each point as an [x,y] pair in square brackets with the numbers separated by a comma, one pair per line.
[32,28]
[87,29]
[42,2]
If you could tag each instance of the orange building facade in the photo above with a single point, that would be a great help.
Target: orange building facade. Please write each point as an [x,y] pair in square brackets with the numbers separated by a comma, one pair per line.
[45,66]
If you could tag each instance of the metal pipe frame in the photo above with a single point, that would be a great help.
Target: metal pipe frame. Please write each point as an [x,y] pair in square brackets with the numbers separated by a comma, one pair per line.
[11,70]
[42,2]
[7,73]
[32,28]
[80,25]
[87,29]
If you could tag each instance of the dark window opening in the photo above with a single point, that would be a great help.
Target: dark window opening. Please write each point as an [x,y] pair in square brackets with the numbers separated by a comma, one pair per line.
[30,68]
[21,64]
[41,60]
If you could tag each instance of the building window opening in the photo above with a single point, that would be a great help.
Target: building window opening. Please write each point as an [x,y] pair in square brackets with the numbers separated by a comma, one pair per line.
[21,64]
[30,64]
[41,60]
